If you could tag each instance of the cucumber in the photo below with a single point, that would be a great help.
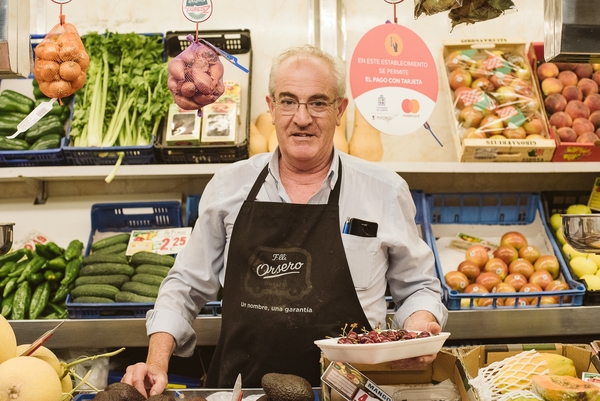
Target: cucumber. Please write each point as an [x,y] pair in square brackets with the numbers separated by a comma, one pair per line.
[93,300]
[147,279]
[155,270]
[112,240]
[146,290]
[106,268]
[126,296]
[151,258]
[105,258]
[95,290]
[116,248]
[111,279]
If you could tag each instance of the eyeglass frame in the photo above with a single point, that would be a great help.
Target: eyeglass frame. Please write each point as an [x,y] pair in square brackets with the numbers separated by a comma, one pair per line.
[319,114]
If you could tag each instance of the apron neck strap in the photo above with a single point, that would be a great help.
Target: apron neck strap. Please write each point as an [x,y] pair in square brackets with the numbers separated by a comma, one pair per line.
[334,196]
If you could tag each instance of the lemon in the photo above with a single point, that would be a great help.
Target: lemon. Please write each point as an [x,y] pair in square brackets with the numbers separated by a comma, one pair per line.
[561,236]
[579,209]
[592,281]
[572,253]
[556,221]
[583,266]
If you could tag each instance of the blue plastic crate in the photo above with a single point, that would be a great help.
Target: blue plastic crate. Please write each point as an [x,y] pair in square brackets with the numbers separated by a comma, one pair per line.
[504,209]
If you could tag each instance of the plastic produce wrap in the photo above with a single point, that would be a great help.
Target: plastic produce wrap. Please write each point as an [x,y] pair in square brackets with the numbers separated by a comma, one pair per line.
[196,77]
[61,62]
[473,11]
[431,7]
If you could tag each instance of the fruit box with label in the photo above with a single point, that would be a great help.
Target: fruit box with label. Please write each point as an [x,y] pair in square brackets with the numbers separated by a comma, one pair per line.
[493,103]
[567,149]
[474,358]
[459,221]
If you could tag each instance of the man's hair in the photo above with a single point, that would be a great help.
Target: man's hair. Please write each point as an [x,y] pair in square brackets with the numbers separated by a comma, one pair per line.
[307,51]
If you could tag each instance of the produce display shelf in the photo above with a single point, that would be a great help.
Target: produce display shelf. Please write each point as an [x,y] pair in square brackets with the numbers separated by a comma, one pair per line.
[490,215]
[558,202]
[111,218]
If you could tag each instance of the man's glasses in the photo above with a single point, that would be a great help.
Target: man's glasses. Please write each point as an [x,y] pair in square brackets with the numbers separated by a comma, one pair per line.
[289,107]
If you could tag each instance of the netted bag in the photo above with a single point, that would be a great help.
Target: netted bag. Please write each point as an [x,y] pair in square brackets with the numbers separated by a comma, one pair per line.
[196,77]
[61,62]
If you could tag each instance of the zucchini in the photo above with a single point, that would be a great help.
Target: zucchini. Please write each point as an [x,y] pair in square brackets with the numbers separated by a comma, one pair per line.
[111,279]
[106,268]
[147,279]
[50,141]
[112,240]
[88,299]
[95,290]
[46,126]
[151,258]
[14,101]
[13,144]
[116,248]
[126,296]
[155,270]
[105,258]
[146,290]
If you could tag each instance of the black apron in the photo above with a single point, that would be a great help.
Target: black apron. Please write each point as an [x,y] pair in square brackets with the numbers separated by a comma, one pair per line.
[287,284]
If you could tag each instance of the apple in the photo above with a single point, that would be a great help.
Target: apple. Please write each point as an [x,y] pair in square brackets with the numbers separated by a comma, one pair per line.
[521,266]
[460,77]
[469,269]
[488,280]
[579,209]
[548,263]
[513,301]
[456,280]
[556,285]
[476,289]
[491,125]
[504,287]
[496,266]
[530,288]
[477,254]
[516,280]
[505,94]
[548,300]
[470,117]
[541,277]
[530,253]
[515,239]
[582,266]
[507,253]
[556,221]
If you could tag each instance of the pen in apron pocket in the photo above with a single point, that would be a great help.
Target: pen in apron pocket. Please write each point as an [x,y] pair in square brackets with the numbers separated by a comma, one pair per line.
[346,226]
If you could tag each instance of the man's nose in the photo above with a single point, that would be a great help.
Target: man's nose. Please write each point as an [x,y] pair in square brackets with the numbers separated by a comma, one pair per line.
[302,116]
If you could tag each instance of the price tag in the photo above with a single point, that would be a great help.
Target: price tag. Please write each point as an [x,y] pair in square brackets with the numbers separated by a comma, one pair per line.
[166,241]
[29,241]
[351,384]
[462,242]
[594,202]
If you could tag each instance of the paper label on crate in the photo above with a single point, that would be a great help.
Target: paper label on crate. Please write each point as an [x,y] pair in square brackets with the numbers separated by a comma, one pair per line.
[485,154]
[591,377]
[394,80]
[351,384]
[29,241]
[166,241]
[594,202]
[462,242]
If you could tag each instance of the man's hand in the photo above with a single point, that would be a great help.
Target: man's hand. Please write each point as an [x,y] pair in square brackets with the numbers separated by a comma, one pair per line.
[147,379]
[419,321]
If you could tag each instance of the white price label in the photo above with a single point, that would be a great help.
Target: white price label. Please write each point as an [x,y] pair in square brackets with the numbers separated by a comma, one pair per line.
[29,240]
[166,241]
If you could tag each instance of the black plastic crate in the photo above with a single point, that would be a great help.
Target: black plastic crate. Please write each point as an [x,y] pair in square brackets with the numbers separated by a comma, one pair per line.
[239,44]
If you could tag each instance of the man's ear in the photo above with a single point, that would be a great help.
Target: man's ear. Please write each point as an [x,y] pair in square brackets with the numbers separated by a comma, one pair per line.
[342,105]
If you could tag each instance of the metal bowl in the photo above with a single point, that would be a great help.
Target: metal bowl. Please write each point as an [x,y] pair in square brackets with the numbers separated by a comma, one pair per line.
[582,231]
[6,237]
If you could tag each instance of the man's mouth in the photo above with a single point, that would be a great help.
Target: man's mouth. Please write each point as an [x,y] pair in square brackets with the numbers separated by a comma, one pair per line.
[303,135]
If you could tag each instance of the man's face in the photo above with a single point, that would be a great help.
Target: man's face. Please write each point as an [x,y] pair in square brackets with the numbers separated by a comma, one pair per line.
[304,138]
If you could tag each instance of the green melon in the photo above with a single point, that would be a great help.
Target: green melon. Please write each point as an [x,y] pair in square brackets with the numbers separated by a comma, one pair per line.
[564,388]
[7,339]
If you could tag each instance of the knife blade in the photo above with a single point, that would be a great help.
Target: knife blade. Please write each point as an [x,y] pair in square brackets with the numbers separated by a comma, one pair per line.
[237,389]
[41,340]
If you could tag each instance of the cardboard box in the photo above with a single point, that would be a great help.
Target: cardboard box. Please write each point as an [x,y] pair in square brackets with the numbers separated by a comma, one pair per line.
[183,127]
[565,151]
[482,59]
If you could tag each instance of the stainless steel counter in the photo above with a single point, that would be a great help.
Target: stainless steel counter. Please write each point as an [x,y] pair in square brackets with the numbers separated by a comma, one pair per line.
[522,325]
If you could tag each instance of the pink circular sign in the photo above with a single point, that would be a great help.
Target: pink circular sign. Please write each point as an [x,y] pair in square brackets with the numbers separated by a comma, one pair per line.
[393,79]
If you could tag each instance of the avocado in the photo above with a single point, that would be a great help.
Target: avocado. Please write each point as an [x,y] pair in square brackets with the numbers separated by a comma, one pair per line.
[125,392]
[106,396]
[287,387]
[263,397]
[162,397]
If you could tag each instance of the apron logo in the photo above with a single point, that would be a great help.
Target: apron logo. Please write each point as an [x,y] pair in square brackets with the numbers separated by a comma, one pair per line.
[283,272]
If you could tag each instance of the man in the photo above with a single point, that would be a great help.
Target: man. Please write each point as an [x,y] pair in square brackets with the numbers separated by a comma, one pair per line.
[275,222]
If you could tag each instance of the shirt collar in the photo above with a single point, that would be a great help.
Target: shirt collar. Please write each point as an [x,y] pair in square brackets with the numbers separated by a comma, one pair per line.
[332,176]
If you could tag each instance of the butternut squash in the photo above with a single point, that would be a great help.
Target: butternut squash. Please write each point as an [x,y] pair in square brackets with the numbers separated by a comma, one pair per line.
[258,143]
[366,140]
[273,140]
[339,138]
[264,124]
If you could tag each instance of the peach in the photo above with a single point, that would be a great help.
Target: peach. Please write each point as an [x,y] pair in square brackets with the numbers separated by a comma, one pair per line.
[555,102]
[566,134]
[560,119]
[491,125]
[596,77]
[470,117]
[582,125]
[515,133]
[572,92]
[587,86]
[583,70]
[552,85]
[592,102]
[547,70]
[598,132]
[566,66]
[576,108]
[484,84]
[595,119]
[535,125]
[460,77]
[568,78]
[588,137]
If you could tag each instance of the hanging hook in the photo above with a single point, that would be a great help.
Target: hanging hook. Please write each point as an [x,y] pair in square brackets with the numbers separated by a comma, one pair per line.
[395,3]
